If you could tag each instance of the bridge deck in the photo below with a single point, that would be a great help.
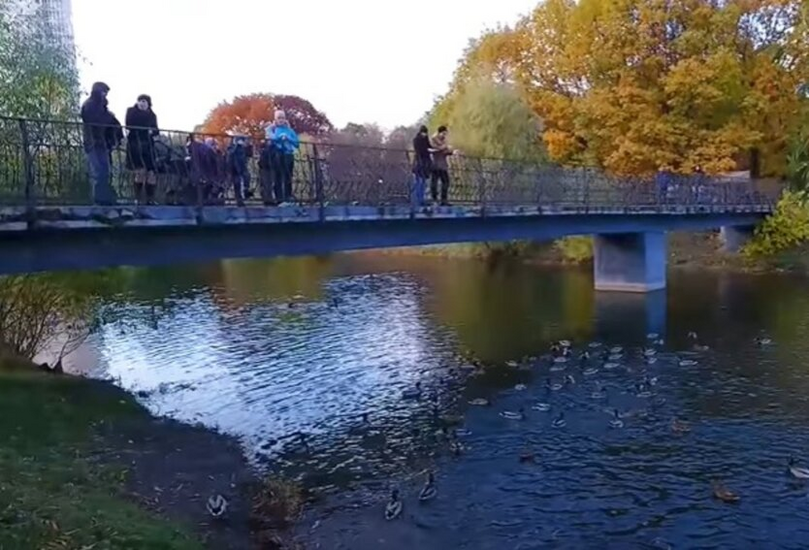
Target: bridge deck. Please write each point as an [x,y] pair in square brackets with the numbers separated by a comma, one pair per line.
[15,219]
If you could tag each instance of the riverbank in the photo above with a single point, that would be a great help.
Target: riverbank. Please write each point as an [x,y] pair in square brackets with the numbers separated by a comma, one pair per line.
[83,465]
[686,251]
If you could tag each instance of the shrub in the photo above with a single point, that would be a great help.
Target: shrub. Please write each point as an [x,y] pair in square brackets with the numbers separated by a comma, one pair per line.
[786,228]
[575,250]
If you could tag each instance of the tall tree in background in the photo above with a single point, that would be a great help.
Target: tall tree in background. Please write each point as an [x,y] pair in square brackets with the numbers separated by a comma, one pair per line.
[640,85]
[251,114]
[38,78]
[491,119]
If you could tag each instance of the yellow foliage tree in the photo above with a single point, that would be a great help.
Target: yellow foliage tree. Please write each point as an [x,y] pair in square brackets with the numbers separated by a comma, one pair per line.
[636,86]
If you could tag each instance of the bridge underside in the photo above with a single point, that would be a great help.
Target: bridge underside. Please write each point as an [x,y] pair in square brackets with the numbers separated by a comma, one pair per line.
[630,244]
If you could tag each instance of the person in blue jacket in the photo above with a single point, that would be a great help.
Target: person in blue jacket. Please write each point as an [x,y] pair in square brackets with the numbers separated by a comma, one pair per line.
[282,142]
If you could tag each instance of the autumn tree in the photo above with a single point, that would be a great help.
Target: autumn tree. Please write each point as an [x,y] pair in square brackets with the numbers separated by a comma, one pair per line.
[251,114]
[636,86]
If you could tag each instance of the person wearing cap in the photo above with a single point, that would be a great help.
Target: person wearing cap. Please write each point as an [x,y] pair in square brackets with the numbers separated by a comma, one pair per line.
[102,133]
[141,125]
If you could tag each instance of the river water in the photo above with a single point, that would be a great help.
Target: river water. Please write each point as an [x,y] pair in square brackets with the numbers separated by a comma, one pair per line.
[306,361]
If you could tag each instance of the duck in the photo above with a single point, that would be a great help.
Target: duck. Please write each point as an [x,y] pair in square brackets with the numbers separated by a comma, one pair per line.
[429,491]
[609,365]
[680,427]
[797,471]
[723,493]
[590,371]
[559,421]
[584,356]
[763,341]
[659,342]
[652,336]
[693,335]
[565,344]
[553,386]
[511,415]
[413,393]
[649,352]
[594,345]
[456,448]
[542,407]
[217,506]
[556,349]
[512,364]
[687,363]
[479,402]
[393,509]
[616,349]
[616,421]
[520,387]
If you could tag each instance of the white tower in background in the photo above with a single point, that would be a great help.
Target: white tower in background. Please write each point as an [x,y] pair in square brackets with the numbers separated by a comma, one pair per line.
[57,20]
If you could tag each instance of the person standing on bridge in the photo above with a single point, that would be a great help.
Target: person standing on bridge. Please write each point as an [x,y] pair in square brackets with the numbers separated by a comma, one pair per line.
[102,133]
[422,165]
[441,152]
[283,142]
[141,124]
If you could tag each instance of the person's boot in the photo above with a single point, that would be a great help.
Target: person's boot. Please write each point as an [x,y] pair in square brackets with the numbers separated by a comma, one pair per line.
[150,193]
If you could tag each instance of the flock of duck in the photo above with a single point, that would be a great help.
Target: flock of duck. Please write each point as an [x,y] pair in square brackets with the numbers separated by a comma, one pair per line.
[592,360]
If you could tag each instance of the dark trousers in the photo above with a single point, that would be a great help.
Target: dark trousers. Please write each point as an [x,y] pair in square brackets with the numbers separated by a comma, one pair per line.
[241,184]
[282,168]
[443,177]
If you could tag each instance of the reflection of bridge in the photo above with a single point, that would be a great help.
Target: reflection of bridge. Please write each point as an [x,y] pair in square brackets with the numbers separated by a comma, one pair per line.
[348,198]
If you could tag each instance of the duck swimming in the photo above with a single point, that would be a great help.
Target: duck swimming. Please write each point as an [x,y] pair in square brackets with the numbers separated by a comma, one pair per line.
[680,427]
[429,491]
[616,421]
[479,402]
[217,505]
[542,407]
[723,493]
[553,386]
[511,415]
[763,341]
[559,421]
[590,371]
[393,509]
[687,363]
[797,471]
[520,387]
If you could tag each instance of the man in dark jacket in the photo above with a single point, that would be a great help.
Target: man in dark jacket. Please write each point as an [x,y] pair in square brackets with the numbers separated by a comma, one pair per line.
[102,134]
[239,154]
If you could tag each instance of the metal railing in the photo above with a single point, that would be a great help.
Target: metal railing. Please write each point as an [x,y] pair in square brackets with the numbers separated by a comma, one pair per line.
[44,163]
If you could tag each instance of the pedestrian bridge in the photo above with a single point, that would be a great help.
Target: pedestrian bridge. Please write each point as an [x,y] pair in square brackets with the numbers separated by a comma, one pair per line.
[347,198]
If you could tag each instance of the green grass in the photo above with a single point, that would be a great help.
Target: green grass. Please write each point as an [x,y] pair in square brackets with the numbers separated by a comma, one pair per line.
[54,491]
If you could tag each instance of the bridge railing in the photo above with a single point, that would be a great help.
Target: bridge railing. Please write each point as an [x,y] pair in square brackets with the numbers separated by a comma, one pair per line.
[44,163]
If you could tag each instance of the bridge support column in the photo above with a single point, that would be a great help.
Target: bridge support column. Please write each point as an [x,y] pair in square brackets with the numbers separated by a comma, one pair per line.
[734,237]
[630,262]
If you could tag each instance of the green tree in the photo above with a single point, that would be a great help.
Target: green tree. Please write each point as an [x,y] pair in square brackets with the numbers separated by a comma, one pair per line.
[490,119]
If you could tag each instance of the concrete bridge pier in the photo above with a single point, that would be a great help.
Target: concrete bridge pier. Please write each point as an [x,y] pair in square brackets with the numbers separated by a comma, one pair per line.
[630,262]
[734,237]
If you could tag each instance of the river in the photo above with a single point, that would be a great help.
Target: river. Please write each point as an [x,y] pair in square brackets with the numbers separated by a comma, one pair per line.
[306,361]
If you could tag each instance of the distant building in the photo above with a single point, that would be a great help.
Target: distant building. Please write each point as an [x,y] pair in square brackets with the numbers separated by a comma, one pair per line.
[56,19]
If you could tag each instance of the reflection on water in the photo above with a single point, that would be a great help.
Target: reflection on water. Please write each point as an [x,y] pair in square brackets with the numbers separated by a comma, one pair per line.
[306,360]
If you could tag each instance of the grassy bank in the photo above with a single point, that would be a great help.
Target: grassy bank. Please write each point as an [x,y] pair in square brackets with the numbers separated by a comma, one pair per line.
[82,465]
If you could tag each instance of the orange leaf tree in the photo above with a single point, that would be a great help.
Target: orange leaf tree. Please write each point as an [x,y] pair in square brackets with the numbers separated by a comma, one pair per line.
[250,115]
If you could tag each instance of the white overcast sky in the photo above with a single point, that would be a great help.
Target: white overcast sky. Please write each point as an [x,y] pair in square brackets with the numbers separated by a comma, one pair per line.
[356,60]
